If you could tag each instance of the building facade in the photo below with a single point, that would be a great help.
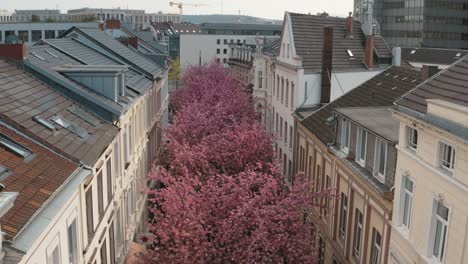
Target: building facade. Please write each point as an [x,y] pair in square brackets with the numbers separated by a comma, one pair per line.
[428,23]
[320,58]
[348,146]
[6,16]
[431,221]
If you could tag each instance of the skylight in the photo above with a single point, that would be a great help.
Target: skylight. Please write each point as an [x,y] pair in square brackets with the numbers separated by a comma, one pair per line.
[13,146]
[37,56]
[413,51]
[52,54]
[74,128]
[458,54]
[350,53]
[4,172]
[44,122]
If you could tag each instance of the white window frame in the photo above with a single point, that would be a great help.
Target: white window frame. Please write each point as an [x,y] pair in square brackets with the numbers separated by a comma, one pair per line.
[360,161]
[359,227]
[345,129]
[440,161]
[73,218]
[55,243]
[445,224]
[377,249]
[343,216]
[409,131]
[404,195]
[378,145]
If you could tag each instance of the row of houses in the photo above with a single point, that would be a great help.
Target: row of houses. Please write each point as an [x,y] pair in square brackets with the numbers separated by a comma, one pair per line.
[81,120]
[383,128]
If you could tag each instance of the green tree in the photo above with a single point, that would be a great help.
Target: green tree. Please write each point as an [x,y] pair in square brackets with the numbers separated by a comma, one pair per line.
[174,73]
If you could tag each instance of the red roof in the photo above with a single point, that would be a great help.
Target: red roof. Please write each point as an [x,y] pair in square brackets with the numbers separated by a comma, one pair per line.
[36,178]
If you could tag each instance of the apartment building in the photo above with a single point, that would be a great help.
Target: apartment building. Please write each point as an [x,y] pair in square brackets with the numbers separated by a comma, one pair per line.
[5,16]
[349,146]
[320,59]
[430,223]
[168,34]
[113,130]
[42,15]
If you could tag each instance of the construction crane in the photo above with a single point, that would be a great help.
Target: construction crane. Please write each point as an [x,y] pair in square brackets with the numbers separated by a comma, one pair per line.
[180,5]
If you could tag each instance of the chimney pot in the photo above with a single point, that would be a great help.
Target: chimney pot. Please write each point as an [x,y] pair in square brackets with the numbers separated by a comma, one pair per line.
[349,24]
[369,51]
[13,51]
[396,52]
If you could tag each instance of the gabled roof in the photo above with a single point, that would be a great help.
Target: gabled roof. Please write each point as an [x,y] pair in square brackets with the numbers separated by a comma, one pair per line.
[432,55]
[23,99]
[116,48]
[308,40]
[449,85]
[382,90]
[36,179]
[90,56]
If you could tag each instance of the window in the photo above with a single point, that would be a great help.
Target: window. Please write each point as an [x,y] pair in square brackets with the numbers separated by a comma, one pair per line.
[285,133]
[292,95]
[290,136]
[380,160]
[377,247]
[36,35]
[110,186]
[327,198]
[412,138]
[112,243]
[54,256]
[260,79]
[224,60]
[218,51]
[225,42]
[439,231]
[100,194]
[116,160]
[343,215]
[446,156]
[218,41]
[406,203]
[282,90]
[72,243]
[361,146]
[13,146]
[281,127]
[345,135]
[286,101]
[89,212]
[358,233]
[72,127]
[224,51]
[317,182]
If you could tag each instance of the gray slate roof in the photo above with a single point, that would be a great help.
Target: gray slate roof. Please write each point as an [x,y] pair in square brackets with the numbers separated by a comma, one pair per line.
[23,97]
[308,40]
[432,56]
[379,120]
[449,85]
[117,49]
[382,90]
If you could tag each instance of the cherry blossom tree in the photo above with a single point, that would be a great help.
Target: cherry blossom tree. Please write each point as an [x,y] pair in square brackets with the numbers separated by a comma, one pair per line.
[221,197]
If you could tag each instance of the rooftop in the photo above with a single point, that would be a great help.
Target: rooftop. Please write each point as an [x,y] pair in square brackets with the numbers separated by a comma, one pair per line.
[382,90]
[50,117]
[308,41]
[378,120]
[449,85]
[36,179]
[432,55]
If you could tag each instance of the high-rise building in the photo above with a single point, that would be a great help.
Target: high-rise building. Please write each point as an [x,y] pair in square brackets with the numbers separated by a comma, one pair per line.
[418,23]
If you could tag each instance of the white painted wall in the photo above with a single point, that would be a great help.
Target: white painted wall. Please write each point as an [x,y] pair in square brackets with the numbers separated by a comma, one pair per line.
[194,46]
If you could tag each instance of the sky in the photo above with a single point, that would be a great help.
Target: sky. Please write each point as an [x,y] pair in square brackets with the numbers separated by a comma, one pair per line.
[273,9]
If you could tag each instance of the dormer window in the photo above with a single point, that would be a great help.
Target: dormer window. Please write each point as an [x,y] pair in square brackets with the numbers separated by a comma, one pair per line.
[345,135]
[380,159]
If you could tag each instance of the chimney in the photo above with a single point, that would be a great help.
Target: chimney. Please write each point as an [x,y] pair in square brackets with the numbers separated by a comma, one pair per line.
[396,52]
[327,56]
[113,24]
[133,41]
[369,52]
[13,51]
[349,23]
[428,71]
[101,26]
